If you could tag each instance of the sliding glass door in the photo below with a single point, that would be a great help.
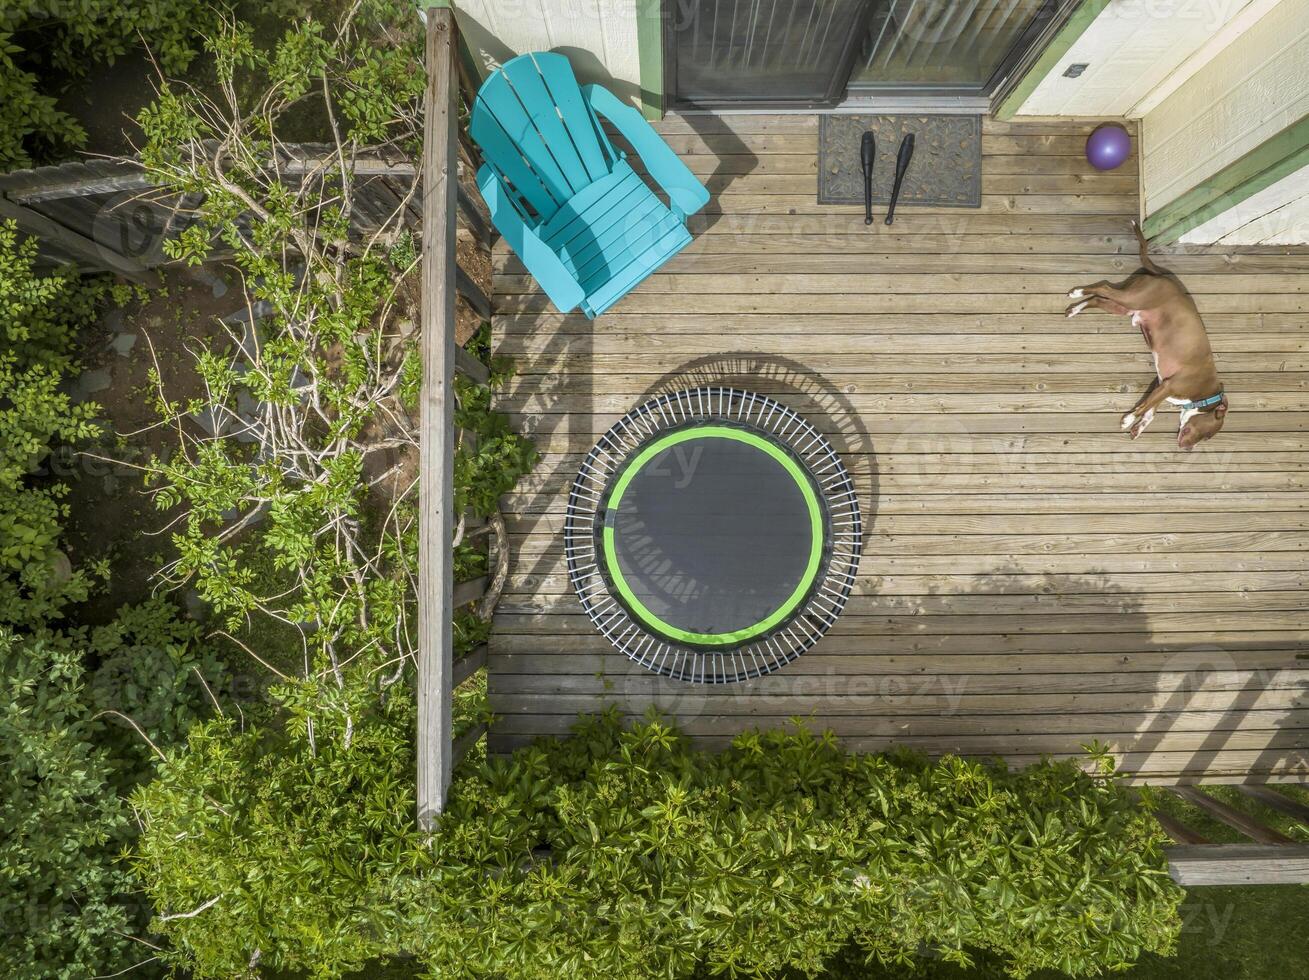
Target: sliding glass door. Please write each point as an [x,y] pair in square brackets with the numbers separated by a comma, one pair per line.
[952,45]
[766,52]
[812,53]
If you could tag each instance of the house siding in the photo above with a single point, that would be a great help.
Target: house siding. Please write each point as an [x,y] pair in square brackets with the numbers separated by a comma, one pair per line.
[1277,215]
[598,36]
[1249,92]
[1133,50]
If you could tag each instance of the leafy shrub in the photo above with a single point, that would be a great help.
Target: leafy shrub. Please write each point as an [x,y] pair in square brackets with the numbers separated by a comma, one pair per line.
[69,906]
[42,39]
[501,456]
[293,837]
[630,854]
[38,317]
[60,821]
[67,754]
[301,511]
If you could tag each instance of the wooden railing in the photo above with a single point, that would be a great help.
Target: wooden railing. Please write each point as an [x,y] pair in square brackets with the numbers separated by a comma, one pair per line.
[1270,858]
[439,596]
[102,216]
[109,215]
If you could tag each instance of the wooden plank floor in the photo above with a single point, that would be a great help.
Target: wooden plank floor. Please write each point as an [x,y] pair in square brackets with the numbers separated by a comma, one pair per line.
[1032,579]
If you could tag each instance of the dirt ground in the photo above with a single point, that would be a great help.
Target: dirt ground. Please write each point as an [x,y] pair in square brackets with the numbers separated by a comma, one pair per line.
[476,263]
[112,516]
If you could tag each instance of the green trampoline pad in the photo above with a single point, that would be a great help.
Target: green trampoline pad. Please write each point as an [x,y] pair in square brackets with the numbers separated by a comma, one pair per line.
[713,535]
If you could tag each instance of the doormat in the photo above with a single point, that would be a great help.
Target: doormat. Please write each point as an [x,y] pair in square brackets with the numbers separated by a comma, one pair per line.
[946,170]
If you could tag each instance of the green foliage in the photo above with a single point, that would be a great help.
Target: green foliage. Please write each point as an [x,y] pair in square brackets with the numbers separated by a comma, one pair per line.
[60,821]
[630,854]
[499,457]
[38,316]
[301,511]
[44,40]
[67,754]
[292,837]
[67,758]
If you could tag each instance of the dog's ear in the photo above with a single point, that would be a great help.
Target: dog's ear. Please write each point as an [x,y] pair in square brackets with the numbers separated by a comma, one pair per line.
[1221,410]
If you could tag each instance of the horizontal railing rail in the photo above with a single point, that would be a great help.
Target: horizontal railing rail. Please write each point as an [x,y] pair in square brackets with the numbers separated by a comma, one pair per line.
[1270,858]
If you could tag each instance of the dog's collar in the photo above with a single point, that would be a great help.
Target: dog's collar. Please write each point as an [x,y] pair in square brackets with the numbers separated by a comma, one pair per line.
[1203,403]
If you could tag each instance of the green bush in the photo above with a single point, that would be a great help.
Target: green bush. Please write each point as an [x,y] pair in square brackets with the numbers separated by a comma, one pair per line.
[304,515]
[68,756]
[629,854]
[42,41]
[59,820]
[39,315]
[69,907]
[293,840]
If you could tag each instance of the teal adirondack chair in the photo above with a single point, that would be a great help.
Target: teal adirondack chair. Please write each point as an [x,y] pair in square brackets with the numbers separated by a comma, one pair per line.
[569,205]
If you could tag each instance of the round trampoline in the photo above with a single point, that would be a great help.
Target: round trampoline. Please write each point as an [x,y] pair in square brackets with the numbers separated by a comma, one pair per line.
[713,535]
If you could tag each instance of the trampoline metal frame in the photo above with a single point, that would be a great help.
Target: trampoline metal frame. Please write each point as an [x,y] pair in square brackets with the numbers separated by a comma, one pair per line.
[761,654]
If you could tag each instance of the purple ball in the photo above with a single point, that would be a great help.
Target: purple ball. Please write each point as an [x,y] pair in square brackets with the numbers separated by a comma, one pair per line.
[1108,146]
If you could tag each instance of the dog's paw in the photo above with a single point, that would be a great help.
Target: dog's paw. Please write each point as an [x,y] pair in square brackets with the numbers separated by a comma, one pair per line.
[1129,420]
[1076,293]
[1138,425]
[1077,308]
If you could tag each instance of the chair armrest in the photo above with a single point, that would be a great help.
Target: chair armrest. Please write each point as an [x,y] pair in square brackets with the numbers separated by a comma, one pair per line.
[686,193]
[541,261]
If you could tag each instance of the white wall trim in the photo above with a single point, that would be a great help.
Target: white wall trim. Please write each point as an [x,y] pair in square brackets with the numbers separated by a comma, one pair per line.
[1132,49]
[1278,214]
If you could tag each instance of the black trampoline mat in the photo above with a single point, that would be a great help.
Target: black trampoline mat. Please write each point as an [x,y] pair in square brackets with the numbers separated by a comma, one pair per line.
[713,534]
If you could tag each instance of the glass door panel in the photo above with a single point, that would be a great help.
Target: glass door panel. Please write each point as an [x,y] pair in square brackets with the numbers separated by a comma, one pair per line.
[944,44]
[763,52]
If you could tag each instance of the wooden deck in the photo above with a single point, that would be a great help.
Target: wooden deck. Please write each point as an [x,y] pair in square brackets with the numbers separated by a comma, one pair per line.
[1031,579]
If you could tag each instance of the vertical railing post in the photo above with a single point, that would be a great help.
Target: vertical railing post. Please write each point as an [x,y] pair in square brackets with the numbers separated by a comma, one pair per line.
[436,433]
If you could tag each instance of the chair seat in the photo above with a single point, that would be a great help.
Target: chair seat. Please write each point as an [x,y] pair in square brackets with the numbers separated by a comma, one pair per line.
[612,234]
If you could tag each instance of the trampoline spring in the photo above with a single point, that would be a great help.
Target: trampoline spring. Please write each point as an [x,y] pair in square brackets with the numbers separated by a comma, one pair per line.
[630,632]
[586,563]
[663,656]
[750,409]
[827,605]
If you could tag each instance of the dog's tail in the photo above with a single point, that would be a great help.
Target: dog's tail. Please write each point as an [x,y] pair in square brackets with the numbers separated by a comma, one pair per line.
[1146,262]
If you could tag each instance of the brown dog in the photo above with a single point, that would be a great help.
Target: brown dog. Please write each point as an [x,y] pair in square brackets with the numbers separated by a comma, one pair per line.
[1184,362]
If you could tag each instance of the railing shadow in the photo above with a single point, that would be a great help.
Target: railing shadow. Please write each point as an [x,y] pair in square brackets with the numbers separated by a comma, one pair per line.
[1017,665]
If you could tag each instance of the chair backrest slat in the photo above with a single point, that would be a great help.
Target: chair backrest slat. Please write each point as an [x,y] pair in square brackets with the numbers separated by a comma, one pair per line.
[593,148]
[541,152]
[507,160]
[538,132]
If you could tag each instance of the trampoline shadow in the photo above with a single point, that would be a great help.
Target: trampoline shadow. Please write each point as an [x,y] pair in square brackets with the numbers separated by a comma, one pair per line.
[803,390]
[1080,657]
